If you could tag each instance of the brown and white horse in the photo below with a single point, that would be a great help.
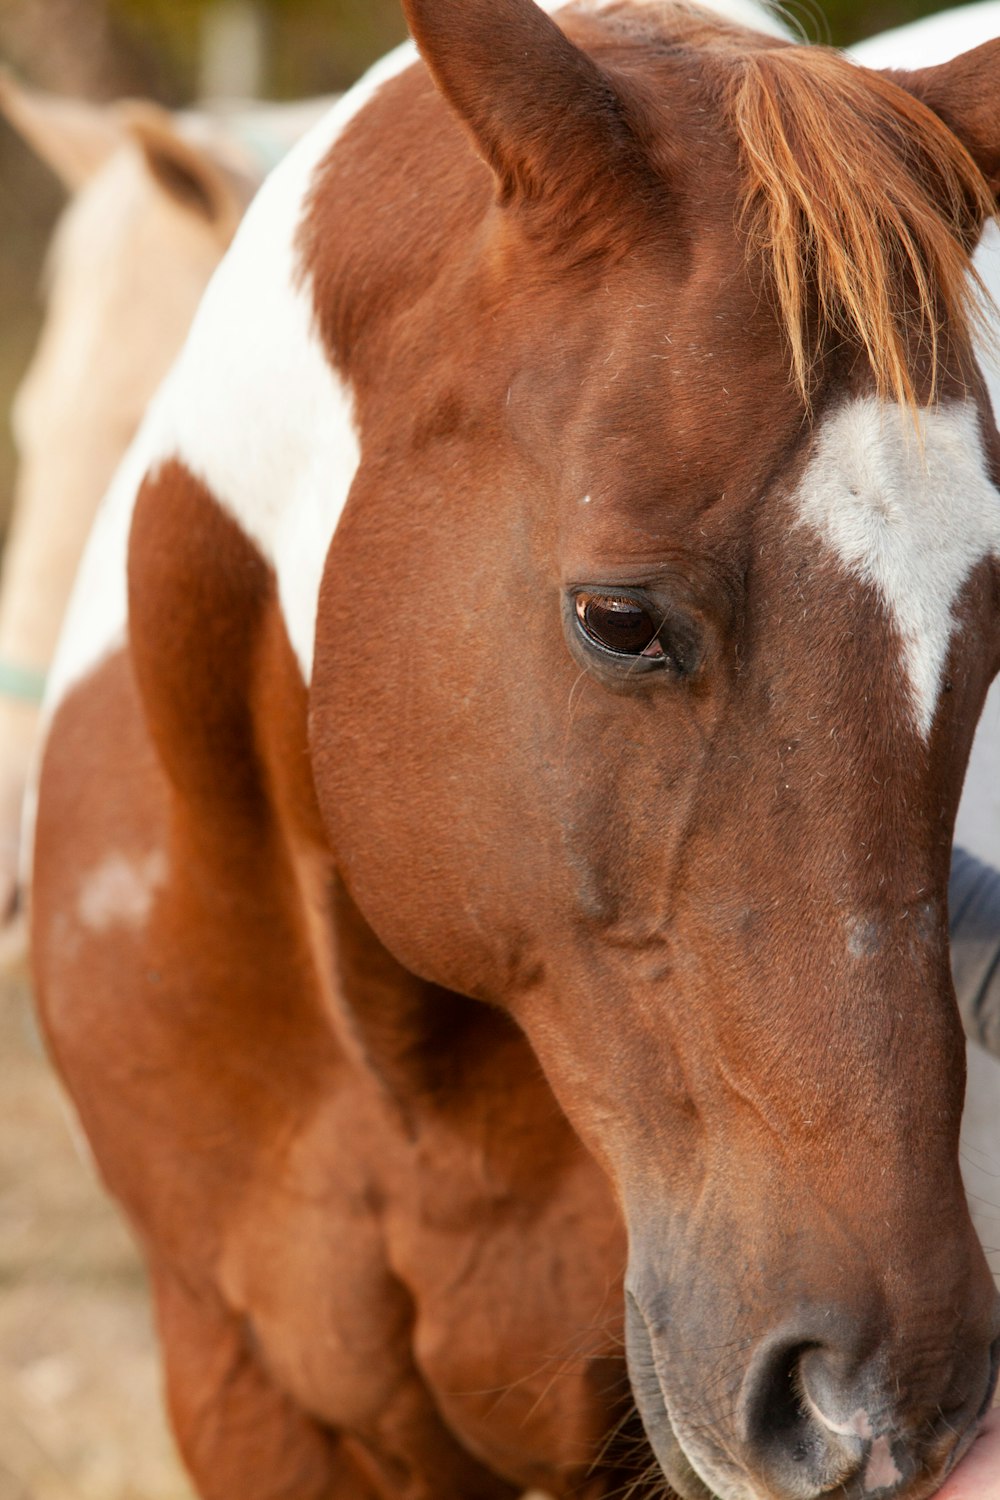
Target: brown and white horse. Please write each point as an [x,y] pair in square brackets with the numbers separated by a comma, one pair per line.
[494,830]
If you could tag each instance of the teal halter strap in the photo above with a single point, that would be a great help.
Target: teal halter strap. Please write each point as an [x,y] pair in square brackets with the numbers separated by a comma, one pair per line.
[26,684]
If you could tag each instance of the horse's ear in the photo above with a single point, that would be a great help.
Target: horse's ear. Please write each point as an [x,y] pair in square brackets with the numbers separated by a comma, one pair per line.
[965,94]
[541,112]
[72,137]
[191,174]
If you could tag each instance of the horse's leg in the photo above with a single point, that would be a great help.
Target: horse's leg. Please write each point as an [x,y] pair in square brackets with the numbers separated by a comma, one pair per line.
[238,1432]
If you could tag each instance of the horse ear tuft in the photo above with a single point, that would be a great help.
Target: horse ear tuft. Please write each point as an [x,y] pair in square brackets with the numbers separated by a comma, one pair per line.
[72,137]
[965,94]
[541,112]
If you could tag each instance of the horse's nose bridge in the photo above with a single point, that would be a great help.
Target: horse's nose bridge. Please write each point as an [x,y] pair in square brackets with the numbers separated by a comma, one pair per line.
[811,787]
[833,1024]
[823,830]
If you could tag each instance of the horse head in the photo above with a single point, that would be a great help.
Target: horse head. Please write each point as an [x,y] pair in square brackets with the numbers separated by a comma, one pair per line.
[649,725]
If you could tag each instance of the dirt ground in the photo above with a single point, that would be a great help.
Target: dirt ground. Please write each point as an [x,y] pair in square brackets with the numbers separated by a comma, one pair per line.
[80,1415]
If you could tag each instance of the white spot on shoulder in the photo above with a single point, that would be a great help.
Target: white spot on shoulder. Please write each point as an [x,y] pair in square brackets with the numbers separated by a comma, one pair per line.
[911,518]
[119,892]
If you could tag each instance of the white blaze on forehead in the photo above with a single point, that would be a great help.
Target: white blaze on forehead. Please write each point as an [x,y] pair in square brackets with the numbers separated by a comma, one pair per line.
[910,518]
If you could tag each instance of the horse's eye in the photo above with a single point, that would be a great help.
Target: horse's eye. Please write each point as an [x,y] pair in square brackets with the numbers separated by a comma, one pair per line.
[619,624]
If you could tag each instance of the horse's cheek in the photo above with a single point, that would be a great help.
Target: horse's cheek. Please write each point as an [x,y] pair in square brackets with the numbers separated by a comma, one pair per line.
[422,743]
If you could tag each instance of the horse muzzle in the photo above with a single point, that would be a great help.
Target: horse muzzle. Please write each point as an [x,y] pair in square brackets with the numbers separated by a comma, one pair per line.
[813,1411]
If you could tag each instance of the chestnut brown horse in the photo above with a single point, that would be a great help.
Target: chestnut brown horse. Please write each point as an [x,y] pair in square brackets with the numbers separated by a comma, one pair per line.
[495,937]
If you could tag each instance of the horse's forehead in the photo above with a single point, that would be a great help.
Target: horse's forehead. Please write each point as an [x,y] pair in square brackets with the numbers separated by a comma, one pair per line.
[905,507]
[909,513]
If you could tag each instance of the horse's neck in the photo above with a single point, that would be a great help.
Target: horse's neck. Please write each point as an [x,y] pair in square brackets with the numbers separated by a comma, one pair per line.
[254,408]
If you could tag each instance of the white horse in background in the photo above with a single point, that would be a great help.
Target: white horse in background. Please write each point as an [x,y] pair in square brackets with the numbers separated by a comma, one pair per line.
[155,200]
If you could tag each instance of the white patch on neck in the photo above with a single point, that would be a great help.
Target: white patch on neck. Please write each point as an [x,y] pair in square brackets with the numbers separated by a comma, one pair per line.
[259,414]
[252,407]
[910,518]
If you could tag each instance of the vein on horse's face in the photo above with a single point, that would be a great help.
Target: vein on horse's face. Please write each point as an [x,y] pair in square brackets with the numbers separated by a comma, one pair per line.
[912,518]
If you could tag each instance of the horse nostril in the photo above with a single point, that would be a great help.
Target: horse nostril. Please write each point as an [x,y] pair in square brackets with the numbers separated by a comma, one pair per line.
[794,1446]
[814,1416]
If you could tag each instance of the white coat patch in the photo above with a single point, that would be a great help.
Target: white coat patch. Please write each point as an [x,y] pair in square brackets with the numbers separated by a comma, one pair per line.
[912,519]
[120,891]
[252,407]
[881,1471]
[258,412]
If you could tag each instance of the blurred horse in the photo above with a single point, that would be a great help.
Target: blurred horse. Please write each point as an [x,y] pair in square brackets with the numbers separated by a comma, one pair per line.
[495,822]
[156,198]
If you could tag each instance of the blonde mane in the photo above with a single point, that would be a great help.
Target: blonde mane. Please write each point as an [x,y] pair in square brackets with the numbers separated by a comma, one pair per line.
[862,202]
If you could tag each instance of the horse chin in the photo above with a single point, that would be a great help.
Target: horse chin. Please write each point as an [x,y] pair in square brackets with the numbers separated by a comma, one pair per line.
[678,1469]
